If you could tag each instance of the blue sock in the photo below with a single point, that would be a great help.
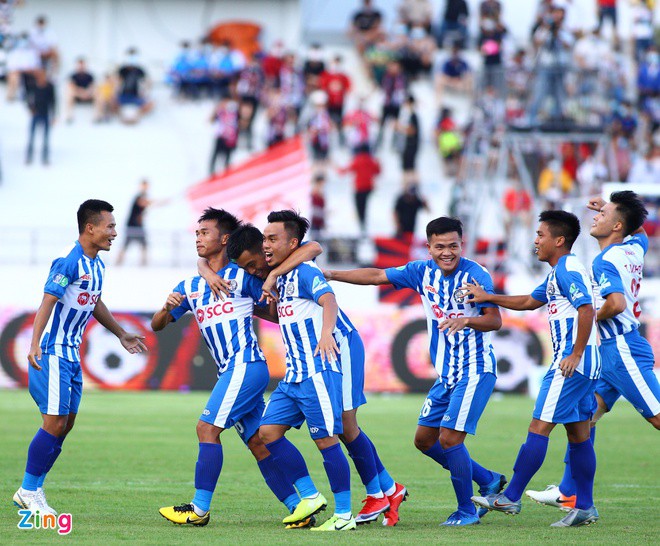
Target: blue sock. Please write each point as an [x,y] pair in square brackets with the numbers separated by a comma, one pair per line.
[278,484]
[292,464]
[480,475]
[363,458]
[339,476]
[387,484]
[39,454]
[460,468]
[530,458]
[438,455]
[583,463]
[207,472]
[567,485]
[57,449]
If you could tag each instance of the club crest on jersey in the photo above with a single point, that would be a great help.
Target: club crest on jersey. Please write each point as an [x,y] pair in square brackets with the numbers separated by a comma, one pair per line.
[290,289]
[233,285]
[551,289]
[459,296]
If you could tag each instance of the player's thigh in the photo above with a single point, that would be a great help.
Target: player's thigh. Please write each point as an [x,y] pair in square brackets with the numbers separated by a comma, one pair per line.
[282,408]
[352,359]
[321,403]
[467,402]
[564,400]
[435,406]
[76,390]
[237,393]
[51,386]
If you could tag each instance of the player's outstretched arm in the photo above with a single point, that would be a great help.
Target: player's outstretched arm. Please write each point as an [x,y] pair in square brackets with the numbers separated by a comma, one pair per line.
[40,320]
[302,254]
[518,303]
[327,346]
[219,286]
[131,342]
[614,304]
[585,323]
[364,275]
[163,317]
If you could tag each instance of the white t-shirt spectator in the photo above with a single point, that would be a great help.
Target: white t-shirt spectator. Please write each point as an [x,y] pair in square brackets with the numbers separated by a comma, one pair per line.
[44,39]
[642,18]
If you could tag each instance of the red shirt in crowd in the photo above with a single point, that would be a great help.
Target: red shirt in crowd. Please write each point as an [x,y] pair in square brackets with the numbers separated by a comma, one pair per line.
[336,85]
[517,200]
[366,168]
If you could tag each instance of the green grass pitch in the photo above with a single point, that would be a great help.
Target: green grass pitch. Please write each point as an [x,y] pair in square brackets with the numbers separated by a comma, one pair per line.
[131,453]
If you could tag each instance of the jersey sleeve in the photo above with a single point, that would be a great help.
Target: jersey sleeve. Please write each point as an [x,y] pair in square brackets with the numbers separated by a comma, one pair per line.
[608,277]
[571,284]
[181,310]
[406,276]
[311,283]
[642,239]
[252,288]
[63,272]
[483,278]
[540,292]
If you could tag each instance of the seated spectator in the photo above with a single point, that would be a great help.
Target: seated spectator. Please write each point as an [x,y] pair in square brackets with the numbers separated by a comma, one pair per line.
[454,23]
[81,88]
[626,116]
[366,26]
[591,173]
[517,207]
[336,85]
[276,116]
[225,62]
[105,98]
[454,75]
[249,88]
[646,167]
[271,63]
[292,88]
[416,13]
[591,56]
[359,123]
[642,27]
[424,47]
[648,77]
[45,42]
[132,97]
[518,75]
[377,57]
[555,184]
[22,62]
[450,141]
[180,73]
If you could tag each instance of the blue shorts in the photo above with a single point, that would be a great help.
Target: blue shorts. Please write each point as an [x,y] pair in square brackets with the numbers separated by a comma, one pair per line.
[628,371]
[458,407]
[351,356]
[57,387]
[565,399]
[317,399]
[124,100]
[237,400]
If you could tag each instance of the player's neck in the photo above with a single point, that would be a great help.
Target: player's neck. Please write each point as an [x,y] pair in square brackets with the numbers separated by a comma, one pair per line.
[554,260]
[218,261]
[90,250]
[612,239]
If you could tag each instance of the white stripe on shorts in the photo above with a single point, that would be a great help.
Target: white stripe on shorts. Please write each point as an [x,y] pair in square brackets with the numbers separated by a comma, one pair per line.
[633,370]
[53,385]
[235,384]
[466,403]
[552,398]
[346,374]
[324,403]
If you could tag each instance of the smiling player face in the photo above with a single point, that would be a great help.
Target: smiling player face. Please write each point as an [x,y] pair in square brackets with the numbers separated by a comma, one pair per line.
[605,221]
[545,244]
[254,263]
[446,251]
[278,244]
[104,232]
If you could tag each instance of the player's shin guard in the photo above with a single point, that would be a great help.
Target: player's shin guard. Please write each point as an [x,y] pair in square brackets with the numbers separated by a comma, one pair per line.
[567,485]
[583,465]
[57,449]
[292,464]
[207,472]
[281,487]
[387,484]
[460,468]
[530,458]
[39,454]
[363,458]
[339,476]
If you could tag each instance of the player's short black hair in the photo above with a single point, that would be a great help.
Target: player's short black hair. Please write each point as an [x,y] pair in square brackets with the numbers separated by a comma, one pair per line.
[245,237]
[442,225]
[631,207]
[226,221]
[90,212]
[294,224]
[562,224]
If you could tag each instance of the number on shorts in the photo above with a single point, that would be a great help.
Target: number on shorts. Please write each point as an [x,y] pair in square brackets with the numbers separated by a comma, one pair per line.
[426,408]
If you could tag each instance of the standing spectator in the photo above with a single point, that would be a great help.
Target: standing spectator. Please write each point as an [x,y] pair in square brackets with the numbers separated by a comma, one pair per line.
[407,206]
[416,13]
[394,87]
[365,168]
[105,98]
[450,142]
[292,88]
[277,116]
[642,27]
[359,123]
[271,63]
[517,207]
[492,33]
[319,127]
[132,93]
[366,26]
[518,75]
[336,85]
[313,67]
[249,88]
[225,130]
[41,101]
[135,232]
[646,167]
[454,22]
[648,78]
[317,216]
[490,9]
[22,61]
[45,42]
[408,132]
[555,184]
[81,88]
[607,10]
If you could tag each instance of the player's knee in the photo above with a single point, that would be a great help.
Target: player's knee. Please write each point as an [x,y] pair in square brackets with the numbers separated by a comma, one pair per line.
[266,435]
[55,425]
[257,448]
[423,442]
[207,433]
[449,440]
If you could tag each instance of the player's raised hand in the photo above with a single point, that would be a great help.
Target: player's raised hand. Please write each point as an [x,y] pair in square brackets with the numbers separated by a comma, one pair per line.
[133,343]
[596,203]
[33,356]
[327,348]
[474,291]
[453,325]
[219,286]
[569,364]
[173,300]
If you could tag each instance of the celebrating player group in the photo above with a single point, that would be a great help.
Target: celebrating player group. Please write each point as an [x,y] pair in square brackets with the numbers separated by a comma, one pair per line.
[598,356]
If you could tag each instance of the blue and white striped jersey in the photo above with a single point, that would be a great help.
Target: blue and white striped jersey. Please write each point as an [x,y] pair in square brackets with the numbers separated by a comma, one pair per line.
[618,268]
[76,280]
[468,351]
[226,326]
[566,288]
[301,320]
